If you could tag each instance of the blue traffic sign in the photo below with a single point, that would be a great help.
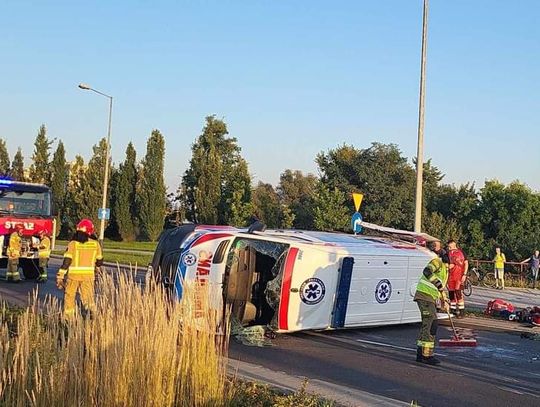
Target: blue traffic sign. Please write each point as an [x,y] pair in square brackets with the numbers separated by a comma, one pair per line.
[104,213]
[356,222]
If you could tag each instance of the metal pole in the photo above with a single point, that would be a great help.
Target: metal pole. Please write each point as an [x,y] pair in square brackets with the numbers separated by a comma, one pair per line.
[420,147]
[106,175]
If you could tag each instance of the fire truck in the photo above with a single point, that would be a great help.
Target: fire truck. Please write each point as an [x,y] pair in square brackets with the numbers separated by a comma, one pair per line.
[29,205]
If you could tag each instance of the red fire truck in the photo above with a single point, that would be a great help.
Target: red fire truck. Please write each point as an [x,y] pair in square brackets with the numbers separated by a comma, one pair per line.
[29,205]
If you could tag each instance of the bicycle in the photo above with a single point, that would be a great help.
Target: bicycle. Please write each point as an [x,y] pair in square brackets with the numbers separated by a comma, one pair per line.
[475,277]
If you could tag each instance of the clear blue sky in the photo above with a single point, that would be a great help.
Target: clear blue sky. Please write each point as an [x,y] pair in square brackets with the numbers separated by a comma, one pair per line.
[290,78]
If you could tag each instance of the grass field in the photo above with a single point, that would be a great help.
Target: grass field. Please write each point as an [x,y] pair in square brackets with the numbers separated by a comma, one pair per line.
[122,258]
[110,244]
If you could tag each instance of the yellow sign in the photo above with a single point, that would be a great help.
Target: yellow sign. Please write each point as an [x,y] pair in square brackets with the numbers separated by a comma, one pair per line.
[357,200]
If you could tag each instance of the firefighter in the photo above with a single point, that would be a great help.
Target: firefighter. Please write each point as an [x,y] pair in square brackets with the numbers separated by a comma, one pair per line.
[14,254]
[82,255]
[456,278]
[44,253]
[430,293]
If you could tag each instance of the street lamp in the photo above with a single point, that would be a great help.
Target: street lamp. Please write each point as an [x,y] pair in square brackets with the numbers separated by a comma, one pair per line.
[107,153]
[420,146]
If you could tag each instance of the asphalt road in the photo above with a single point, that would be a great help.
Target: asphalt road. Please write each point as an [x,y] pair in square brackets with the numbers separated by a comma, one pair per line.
[504,370]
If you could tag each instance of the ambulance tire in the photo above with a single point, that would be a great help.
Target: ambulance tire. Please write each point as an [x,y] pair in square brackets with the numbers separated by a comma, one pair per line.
[30,268]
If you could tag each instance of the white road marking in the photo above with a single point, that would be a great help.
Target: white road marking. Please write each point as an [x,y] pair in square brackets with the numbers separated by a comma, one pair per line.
[392,346]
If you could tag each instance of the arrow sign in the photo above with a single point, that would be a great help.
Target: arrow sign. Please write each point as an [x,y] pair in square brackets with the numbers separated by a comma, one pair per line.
[104,213]
[356,223]
[357,198]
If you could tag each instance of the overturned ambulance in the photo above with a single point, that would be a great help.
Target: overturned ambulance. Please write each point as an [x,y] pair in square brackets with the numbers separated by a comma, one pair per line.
[296,280]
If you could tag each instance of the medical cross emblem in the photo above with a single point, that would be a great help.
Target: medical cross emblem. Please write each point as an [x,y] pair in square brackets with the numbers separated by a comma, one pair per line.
[383,291]
[312,291]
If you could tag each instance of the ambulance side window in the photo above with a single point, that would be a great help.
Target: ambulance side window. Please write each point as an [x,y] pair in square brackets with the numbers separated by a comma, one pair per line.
[220,252]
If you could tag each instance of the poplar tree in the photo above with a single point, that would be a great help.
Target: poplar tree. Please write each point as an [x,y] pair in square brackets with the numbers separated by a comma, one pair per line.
[93,177]
[75,204]
[17,167]
[59,185]
[151,192]
[4,159]
[39,170]
[123,207]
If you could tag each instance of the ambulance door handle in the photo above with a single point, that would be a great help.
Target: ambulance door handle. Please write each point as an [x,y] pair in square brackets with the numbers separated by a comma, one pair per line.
[294,290]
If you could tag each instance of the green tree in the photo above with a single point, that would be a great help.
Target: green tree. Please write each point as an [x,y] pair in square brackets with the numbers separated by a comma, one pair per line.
[443,228]
[266,205]
[39,170]
[330,212]
[94,177]
[17,167]
[381,173]
[297,194]
[59,186]
[216,187]
[124,208]
[152,192]
[4,159]
[76,207]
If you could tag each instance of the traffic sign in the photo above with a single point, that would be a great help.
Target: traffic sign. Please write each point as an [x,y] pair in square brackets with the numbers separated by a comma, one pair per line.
[357,198]
[104,213]
[356,222]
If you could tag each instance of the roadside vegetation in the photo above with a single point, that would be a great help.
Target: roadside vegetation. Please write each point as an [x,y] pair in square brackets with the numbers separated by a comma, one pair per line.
[137,348]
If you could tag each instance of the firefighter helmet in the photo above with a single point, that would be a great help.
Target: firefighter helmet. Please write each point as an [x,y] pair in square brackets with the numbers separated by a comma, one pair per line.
[86,226]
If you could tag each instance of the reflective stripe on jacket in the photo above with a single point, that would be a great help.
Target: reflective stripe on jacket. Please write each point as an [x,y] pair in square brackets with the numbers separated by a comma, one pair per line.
[438,275]
[14,246]
[44,250]
[83,257]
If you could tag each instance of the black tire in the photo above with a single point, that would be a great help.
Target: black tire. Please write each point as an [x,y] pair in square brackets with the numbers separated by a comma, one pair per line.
[489,280]
[467,288]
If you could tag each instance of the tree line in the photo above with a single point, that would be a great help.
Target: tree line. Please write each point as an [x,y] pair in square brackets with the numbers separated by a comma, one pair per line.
[137,196]
[216,188]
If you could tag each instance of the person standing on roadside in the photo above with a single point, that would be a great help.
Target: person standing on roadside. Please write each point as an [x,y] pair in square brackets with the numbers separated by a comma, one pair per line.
[499,261]
[44,253]
[534,265]
[456,278]
[429,293]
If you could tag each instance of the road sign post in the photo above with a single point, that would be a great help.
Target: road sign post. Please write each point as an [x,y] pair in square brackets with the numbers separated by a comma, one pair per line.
[356,223]
[104,213]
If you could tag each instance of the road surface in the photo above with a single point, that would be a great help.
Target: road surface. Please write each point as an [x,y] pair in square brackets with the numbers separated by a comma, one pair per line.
[504,370]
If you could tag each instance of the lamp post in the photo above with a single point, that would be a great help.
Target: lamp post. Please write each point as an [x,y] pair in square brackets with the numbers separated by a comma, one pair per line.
[420,146]
[107,153]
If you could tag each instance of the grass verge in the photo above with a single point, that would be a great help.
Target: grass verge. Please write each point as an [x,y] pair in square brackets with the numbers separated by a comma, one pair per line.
[131,259]
[111,244]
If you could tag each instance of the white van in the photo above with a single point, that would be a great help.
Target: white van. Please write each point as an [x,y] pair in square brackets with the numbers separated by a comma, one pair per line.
[298,280]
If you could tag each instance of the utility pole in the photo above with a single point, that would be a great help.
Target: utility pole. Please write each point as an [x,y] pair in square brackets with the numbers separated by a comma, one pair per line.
[420,146]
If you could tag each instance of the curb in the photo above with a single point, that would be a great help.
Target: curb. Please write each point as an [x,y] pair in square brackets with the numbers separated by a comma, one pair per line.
[491,326]
[342,395]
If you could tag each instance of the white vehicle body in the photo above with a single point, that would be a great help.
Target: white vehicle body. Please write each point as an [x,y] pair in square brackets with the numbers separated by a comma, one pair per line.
[301,280]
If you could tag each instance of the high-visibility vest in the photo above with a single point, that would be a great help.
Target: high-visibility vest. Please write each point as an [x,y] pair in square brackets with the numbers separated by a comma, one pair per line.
[14,247]
[83,257]
[440,272]
[44,250]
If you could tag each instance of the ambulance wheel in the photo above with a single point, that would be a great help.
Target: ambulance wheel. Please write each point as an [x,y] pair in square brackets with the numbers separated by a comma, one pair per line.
[30,268]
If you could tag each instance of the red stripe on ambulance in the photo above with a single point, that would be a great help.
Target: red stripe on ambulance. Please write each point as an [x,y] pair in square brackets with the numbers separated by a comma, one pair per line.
[286,289]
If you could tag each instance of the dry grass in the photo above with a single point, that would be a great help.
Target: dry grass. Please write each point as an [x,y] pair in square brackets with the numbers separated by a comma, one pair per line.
[137,349]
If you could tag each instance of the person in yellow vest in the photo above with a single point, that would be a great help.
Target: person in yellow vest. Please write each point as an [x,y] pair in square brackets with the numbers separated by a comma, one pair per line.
[44,253]
[498,262]
[430,293]
[76,274]
[14,254]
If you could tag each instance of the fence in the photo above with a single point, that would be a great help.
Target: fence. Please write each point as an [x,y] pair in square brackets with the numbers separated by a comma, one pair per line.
[514,271]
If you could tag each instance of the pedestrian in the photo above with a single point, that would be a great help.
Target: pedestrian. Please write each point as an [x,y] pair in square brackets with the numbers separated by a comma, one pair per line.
[499,261]
[44,253]
[534,265]
[82,256]
[430,293]
[14,254]
[456,278]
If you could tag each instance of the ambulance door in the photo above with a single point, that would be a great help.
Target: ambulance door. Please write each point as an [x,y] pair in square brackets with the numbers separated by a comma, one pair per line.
[377,291]
[308,288]
[410,309]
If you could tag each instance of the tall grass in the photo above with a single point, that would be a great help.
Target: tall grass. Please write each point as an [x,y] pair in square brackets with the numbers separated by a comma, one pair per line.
[138,348]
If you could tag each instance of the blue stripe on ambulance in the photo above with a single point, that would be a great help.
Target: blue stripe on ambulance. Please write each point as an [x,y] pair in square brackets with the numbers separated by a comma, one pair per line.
[342,298]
